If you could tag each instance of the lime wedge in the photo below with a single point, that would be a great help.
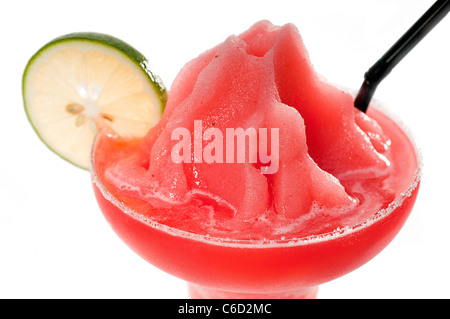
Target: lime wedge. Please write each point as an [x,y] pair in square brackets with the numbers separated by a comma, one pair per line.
[82,82]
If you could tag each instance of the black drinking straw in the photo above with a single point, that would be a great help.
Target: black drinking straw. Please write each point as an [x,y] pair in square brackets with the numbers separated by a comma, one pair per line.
[397,52]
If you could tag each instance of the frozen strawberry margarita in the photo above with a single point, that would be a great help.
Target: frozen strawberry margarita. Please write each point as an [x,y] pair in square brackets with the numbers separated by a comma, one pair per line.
[260,177]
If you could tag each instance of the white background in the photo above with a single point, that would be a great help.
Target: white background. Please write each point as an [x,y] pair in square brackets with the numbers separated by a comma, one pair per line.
[54,242]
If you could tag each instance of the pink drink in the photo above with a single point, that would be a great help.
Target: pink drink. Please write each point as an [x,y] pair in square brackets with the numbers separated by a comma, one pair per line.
[344,182]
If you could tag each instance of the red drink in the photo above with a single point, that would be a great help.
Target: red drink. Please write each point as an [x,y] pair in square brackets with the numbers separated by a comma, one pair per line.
[263,268]
[345,185]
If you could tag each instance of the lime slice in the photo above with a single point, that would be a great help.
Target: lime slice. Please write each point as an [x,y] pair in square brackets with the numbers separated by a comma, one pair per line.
[81,82]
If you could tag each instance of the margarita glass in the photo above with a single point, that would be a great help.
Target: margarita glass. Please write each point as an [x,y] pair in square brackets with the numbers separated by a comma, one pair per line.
[289,268]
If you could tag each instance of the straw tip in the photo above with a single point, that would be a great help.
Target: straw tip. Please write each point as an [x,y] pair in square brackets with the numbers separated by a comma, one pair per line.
[363,98]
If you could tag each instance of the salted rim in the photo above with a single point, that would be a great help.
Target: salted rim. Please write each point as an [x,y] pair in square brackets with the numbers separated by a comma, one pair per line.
[273,243]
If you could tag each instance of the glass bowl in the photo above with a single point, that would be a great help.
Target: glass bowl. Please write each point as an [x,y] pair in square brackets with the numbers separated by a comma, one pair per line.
[289,268]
